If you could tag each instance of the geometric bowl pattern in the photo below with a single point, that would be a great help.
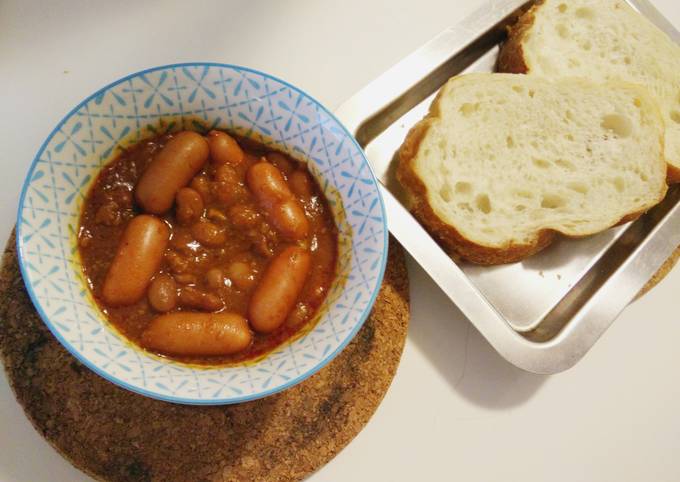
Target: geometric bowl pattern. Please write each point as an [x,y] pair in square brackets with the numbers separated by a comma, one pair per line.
[196,96]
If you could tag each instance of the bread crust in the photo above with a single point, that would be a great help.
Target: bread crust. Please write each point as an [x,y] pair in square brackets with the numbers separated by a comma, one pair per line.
[672,174]
[454,242]
[511,57]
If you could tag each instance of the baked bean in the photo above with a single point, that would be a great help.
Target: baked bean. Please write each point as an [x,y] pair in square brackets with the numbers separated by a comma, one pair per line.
[243,215]
[228,188]
[281,162]
[214,278]
[162,293]
[178,263]
[275,295]
[183,242]
[215,214]
[272,192]
[241,274]
[191,297]
[189,205]
[198,334]
[208,234]
[201,185]
[171,169]
[228,193]
[301,185]
[223,148]
[138,258]
[186,278]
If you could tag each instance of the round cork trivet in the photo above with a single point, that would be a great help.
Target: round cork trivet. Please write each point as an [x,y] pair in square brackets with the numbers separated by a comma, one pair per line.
[113,434]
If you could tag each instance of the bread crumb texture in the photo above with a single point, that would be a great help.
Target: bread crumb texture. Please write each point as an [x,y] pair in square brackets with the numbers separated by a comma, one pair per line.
[504,160]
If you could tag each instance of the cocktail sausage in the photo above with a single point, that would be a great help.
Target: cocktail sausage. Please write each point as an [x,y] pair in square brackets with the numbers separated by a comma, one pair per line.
[137,260]
[289,218]
[189,205]
[267,183]
[281,284]
[224,149]
[171,169]
[162,293]
[198,334]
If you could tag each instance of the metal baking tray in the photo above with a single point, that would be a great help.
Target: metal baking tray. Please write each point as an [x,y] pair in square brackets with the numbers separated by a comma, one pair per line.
[544,313]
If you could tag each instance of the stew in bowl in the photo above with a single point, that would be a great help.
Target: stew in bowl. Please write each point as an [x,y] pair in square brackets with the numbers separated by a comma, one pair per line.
[207,249]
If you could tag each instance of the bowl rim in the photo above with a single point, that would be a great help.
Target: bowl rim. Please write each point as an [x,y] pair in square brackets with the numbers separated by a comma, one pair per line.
[150,393]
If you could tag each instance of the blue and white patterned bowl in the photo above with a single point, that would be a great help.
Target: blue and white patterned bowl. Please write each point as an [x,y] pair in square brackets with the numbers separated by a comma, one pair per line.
[185,96]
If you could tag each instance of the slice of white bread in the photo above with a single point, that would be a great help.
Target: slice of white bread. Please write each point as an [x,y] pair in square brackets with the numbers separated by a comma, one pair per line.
[600,40]
[503,162]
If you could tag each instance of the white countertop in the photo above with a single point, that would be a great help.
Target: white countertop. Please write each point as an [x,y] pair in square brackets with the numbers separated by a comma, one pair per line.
[456,410]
